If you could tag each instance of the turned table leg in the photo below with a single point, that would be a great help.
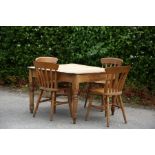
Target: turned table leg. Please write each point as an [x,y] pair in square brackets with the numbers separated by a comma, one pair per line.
[75,88]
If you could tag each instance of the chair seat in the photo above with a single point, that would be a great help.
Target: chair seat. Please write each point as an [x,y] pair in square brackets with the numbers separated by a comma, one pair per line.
[101,91]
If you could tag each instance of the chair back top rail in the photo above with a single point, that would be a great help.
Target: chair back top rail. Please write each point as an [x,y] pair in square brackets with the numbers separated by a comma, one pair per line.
[111,62]
[47,59]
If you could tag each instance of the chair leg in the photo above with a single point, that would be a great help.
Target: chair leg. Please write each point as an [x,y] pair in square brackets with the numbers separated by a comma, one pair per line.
[90,99]
[102,104]
[86,100]
[107,111]
[37,104]
[54,102]
[70,102]
[122,108]
[113,105]
[117,101]
[87,94]
[105,106]
[52,105]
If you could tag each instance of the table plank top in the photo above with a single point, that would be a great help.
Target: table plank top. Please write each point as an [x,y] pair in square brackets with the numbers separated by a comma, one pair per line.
[77,69]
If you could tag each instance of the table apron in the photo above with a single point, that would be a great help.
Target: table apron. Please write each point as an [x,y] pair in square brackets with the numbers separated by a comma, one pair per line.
[80,78]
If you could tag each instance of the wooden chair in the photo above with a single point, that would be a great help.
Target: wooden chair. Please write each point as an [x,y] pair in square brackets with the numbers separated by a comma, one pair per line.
[46,74]
[114,83]
[64,88]
[106,62]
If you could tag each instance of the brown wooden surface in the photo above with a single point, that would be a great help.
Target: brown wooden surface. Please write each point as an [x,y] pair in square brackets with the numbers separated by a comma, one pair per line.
[106,62]
[46,75]
[73,73]
[114,82]
[111,62]
[47,59]
[65,87]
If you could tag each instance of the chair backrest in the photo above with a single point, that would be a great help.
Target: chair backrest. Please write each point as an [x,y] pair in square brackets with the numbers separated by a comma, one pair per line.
[47,59]
[46,74]
[111,62]
[115,79]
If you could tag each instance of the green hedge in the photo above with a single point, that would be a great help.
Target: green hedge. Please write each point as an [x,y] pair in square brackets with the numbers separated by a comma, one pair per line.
[19,46]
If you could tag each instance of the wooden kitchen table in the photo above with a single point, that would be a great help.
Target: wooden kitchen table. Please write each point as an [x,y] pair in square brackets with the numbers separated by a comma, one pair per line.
[73,73]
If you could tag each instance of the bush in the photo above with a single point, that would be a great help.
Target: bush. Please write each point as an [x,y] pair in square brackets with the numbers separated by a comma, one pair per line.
[85,45]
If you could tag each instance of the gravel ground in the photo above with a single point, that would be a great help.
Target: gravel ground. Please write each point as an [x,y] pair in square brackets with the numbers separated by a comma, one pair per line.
[14,114]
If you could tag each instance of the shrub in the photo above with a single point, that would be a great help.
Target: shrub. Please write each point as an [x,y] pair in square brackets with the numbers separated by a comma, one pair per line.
[85,45]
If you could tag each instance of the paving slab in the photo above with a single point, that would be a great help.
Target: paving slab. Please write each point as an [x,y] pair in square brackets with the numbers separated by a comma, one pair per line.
[14,114]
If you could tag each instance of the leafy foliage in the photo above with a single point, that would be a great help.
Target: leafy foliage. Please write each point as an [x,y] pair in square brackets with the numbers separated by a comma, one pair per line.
[19,46]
